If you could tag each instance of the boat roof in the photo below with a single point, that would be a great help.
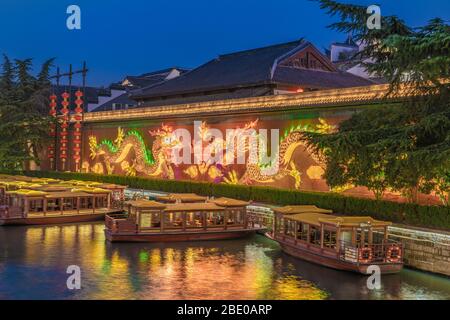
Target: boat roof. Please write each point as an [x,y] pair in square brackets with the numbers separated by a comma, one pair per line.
[294,209]
[57,195]
[206,206]
[28,193]
[47,184]
[91,190]
[229,202]
[51,188]
[319,218]
[146,204]
[111,186]
[183,197]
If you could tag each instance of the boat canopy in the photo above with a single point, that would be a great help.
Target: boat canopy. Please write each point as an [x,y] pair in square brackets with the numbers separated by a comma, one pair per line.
[146,204]
[319,218]
[228,202]
[69,194]
[182,197]
[300,209]
[190,207]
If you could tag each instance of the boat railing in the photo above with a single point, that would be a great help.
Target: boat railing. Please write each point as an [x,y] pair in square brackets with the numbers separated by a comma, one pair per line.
[120,222]
[7,212]
[386,252]
[255,221]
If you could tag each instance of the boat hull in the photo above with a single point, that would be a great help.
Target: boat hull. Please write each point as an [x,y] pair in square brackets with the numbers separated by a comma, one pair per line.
[385,268]
[52,219]
[177,236]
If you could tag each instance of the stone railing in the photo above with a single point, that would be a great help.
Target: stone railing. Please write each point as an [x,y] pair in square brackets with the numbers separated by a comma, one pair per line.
[424,250]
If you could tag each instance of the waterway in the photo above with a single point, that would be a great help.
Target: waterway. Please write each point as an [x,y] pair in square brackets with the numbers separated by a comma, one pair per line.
[34,261]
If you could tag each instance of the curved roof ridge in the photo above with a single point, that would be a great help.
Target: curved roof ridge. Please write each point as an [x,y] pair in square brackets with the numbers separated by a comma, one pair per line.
[236,53]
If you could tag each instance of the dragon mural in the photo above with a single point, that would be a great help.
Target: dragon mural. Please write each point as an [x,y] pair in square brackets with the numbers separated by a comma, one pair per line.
[129,154]
[152,162]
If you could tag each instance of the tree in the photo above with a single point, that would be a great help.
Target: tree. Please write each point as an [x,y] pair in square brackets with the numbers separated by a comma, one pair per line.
[24,121]
[399,145]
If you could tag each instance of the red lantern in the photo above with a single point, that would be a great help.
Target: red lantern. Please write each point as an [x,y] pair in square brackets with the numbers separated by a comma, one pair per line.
[77,128]
[64,125]
[52,133]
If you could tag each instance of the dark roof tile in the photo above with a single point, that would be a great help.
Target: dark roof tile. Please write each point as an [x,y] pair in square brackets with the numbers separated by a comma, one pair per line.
[318,79]
[237,69]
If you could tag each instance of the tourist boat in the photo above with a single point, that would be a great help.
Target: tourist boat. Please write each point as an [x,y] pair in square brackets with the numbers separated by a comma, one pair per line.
[27,202]
[341,242]
[151,221]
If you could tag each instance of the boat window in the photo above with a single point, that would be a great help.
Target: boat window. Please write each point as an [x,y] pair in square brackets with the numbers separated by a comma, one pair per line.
[291,228]
[362,237]
[302,231]
[150,220]
[69,203]
[378,236]
[36,205]
[285,225]
[194,219]
[215,218]
[279,225]
[101,202]
[329,239]
[314,235]
[173,220]
[235,217]
[240,217]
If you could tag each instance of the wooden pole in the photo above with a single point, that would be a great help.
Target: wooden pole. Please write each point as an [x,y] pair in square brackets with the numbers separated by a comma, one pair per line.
[45,206]
[322,235]
[78,204]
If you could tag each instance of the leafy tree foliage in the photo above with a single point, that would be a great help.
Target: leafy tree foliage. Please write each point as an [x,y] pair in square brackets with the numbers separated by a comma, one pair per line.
[23,112]
[402,146]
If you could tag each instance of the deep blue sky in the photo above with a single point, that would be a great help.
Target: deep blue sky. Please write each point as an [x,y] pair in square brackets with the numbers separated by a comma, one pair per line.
[121,37]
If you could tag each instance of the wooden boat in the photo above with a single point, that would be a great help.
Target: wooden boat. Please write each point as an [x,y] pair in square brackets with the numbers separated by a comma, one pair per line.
[29,207]
[151,221]
[343,243]
[27,202]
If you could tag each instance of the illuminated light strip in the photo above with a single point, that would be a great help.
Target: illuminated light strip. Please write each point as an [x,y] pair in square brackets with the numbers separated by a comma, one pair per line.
[266,103]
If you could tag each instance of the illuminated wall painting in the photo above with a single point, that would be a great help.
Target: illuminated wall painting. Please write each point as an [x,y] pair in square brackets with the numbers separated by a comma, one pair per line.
[145,150]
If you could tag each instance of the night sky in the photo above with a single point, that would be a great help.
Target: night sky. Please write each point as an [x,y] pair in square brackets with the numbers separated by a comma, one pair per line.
[120,37]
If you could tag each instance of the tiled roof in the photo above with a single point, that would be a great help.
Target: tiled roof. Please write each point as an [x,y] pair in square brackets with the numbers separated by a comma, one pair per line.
[245,69]
[152,78]
[121,99]
[318,79]
[238,69]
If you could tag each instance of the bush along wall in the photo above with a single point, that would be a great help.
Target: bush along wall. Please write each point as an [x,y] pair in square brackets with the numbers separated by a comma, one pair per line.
[437,217]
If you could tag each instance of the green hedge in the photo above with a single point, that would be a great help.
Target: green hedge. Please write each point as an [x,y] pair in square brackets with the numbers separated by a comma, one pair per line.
[404,213]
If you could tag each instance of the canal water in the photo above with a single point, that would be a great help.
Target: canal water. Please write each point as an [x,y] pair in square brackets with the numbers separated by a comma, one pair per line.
[33,263]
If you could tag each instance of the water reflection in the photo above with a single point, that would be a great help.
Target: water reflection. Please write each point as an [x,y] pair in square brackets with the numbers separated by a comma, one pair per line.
[33,261]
